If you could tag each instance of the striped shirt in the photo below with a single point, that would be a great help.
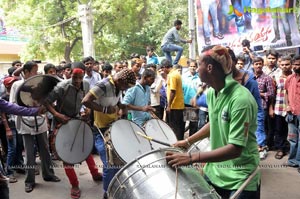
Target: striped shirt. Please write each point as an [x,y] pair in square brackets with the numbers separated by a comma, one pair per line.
[266,87]
[280,102]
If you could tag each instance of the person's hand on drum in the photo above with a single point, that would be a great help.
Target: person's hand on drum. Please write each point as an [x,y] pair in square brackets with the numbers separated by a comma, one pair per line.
[148,109]
[42,110]
[62,118]
[85,115]
[181,144]
[178,159]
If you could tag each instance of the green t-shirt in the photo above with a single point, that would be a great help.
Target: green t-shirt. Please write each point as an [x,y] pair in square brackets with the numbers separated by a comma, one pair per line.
[232,115]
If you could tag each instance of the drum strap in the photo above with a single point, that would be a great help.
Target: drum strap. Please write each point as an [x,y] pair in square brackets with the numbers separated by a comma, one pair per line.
[36,126]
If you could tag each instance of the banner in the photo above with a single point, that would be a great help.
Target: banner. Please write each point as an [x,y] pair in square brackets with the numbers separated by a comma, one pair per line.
[9,33]
[265,23]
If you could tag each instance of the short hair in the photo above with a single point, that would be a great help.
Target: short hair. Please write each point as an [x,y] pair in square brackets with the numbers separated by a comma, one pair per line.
[165,63]
[78,65]
[272,52]
[107,66]
[47,67]
[296,58]
[148,73]
[258,59]
[177,22]
[151,66]
[286,58]
[16,62]
[127,75]
[11,70]
[86,59]
[29,65]
[68,65]
[241,58]
[136,61]
[245,42]
[149,48]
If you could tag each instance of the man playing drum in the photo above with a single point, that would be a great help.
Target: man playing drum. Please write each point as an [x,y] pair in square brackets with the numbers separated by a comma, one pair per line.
[33,128]
[137,98]
[68,95]
[104,99]
[232,112]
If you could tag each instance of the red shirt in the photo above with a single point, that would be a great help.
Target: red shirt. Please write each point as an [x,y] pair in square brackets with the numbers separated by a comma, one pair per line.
[293,88]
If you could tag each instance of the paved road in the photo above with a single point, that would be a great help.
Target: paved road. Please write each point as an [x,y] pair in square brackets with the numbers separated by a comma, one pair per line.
[277,183]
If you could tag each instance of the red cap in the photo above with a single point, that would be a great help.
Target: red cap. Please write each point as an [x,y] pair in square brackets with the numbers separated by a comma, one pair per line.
[8,81]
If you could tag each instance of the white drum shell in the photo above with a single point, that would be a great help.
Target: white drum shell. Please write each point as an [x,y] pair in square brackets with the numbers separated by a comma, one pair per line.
[150,177]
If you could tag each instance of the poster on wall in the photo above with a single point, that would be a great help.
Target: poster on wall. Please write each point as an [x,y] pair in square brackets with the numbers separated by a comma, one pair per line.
[9,33]
[265,23]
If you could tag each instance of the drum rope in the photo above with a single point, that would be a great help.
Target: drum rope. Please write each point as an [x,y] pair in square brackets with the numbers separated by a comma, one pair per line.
[161,129]
[176,183]
[83,134]
[134,133]
[75,136]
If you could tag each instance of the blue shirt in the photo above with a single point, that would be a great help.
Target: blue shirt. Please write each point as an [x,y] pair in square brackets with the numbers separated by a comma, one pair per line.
[138,96]
[190,84]
[152,60]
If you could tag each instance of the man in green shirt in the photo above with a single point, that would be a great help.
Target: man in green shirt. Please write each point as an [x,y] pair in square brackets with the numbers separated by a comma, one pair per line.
[232,112]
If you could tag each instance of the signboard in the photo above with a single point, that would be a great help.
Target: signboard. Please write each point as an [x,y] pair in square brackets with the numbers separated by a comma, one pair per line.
[267,24]
[9,33]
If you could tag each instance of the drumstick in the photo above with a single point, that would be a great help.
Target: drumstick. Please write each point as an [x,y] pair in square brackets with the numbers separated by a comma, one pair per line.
[75,136]
[152,139]
[153,115]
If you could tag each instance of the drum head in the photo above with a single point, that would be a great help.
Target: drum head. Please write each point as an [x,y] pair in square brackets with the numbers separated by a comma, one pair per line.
[35,89]
[127,143]
[159,130]
[74,141]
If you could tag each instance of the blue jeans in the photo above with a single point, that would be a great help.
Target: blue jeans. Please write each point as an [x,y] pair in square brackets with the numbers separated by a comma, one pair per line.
[260,131]
[11,154]
[168,48]
[210,6]
[293,138]
[108,172]
[202,118]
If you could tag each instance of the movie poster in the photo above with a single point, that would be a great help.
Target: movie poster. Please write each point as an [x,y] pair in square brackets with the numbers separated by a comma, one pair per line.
[266,23]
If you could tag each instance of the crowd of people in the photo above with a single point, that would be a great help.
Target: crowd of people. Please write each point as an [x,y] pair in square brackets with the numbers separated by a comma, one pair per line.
[247,105]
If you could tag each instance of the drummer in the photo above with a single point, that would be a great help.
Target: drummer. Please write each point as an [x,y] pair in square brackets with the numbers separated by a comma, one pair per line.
[232,112]
[33,128]
[137,98]
[104,99]
[68,95]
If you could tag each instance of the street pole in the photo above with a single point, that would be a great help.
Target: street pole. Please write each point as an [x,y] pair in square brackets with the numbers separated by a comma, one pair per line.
[191,10]
[86,19]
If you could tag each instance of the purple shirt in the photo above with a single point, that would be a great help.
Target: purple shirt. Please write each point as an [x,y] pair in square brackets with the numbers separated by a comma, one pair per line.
[15,109]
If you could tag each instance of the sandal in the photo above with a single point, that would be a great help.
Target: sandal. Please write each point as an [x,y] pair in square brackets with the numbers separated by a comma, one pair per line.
[75,192]
[279,155]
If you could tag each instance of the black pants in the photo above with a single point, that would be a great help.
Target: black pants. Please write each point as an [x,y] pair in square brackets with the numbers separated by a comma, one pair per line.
[175,120]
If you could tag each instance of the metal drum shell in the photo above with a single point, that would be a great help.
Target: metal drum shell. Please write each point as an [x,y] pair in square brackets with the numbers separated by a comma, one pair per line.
[81,147]
[149,177]
[202,145]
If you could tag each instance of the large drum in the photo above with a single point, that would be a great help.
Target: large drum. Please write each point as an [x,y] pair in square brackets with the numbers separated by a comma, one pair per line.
[35,89]
[74,141]
[123,144]
[159,130]
[149,176]
[202,146]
